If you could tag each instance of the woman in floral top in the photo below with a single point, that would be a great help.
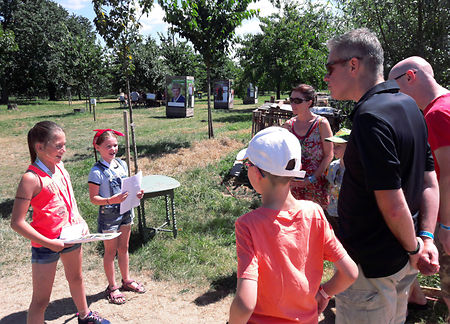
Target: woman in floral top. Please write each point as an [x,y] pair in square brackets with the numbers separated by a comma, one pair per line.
[311,130]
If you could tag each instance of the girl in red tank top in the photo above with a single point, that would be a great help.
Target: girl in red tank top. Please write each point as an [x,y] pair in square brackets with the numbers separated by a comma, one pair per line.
[47,188]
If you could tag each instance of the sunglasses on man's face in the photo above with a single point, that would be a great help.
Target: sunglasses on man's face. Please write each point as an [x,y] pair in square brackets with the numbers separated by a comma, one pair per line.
[330,65]
[297,101]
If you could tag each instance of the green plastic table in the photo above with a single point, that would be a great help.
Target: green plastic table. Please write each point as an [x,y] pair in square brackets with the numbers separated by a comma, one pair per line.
[155,186]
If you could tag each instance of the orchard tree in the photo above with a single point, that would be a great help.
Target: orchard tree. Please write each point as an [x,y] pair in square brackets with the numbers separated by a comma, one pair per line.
[8,47]
[209,25]
[291,48]
[38,27]
[406,28]
[149,69]
[117,21]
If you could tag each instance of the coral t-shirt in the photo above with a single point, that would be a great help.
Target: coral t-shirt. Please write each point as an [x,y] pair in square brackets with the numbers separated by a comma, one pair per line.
[284,252]
[437,117]
[54,207]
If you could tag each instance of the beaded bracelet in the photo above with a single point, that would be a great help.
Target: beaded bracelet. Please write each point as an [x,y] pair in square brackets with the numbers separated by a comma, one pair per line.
[426,234]
[444,227]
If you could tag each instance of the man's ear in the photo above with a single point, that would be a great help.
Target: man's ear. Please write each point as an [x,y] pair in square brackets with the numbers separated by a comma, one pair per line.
[355,64]
[411,75]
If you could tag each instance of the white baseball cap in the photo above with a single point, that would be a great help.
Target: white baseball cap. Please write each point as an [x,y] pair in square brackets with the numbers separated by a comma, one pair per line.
[271,150]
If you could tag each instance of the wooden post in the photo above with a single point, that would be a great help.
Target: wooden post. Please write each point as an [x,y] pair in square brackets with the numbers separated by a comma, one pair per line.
[126,126]
[133,141]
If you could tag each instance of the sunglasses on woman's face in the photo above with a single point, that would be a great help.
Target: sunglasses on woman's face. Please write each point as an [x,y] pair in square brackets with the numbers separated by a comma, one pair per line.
[297,101]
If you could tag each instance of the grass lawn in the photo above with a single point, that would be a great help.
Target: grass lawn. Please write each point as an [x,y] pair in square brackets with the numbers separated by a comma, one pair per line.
[206,206]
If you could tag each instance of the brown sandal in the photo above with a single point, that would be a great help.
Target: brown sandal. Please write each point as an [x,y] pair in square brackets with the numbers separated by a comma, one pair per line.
[128,286]
[117,299]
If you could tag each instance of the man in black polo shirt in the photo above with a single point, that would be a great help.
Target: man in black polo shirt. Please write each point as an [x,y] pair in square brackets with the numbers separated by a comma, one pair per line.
[389,178]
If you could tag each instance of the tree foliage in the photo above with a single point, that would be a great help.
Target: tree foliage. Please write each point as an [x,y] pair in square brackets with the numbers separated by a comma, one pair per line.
[43,33]
[210,26]
[406,28]
[291,48]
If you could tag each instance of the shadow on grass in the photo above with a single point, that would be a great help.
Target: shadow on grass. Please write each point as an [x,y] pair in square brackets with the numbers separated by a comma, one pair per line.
[55,310]
[161,147]
[233,117]
[220,289]
[6,208]
[67,114]
[138,240]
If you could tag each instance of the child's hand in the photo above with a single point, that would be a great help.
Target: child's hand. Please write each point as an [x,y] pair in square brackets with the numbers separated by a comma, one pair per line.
[57,245]
[117,199]
[140,194]
[322,303]
[85,230]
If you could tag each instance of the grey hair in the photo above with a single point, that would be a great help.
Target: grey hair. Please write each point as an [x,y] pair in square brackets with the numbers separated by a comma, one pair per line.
[360,43]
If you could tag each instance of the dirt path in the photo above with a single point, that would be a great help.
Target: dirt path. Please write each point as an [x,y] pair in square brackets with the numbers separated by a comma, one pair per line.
[162,303]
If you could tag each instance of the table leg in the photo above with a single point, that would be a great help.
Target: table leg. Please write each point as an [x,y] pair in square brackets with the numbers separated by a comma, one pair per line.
[174,220]
[141,228]
[167,210]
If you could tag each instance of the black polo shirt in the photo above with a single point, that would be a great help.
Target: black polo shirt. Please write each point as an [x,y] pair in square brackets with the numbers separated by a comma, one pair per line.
[387,149]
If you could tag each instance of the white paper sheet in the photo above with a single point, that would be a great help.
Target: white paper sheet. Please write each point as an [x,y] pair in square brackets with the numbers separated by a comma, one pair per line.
[132,185]
[93,237]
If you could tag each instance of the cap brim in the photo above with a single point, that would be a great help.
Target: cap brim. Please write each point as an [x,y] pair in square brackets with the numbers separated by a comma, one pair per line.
[242,155]
[335,139]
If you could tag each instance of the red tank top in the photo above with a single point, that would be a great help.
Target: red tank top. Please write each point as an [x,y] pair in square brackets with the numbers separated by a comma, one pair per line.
[53,205]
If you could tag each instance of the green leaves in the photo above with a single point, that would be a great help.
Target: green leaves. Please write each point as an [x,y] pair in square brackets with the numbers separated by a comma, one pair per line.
[290,50]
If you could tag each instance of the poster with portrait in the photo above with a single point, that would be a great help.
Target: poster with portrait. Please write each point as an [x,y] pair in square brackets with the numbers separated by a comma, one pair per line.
[221,91]
[176,92]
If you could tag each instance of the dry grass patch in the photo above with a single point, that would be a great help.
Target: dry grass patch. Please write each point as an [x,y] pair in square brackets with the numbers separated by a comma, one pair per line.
[200,154]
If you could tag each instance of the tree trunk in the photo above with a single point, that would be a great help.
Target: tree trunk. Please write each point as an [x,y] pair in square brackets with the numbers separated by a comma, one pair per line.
[4,98]
[210,125]
[51,88]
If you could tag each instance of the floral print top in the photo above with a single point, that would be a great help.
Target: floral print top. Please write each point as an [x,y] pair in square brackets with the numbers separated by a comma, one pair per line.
[312,155]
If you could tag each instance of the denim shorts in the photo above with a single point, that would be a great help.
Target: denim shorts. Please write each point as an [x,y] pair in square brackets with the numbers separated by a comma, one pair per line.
[43,255]
[109,219]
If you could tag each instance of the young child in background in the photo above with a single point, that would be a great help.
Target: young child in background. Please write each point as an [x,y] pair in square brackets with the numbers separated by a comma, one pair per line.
[282,245]
[105,180]
[47,188]
[335,173]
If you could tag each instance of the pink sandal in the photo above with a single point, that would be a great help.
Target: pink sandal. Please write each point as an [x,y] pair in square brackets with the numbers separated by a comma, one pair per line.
[117,299]
[128,286]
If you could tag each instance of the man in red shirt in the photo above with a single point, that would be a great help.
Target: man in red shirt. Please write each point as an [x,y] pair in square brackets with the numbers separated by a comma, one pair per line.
[415,78]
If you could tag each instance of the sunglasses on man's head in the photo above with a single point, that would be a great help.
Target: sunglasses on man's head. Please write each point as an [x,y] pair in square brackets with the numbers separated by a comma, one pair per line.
[297,101]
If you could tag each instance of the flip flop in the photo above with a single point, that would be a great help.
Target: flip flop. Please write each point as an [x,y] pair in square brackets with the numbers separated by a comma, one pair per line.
[117,299]
[128,286]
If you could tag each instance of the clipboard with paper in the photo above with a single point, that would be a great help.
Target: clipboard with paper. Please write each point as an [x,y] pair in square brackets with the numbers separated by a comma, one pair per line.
[132,185]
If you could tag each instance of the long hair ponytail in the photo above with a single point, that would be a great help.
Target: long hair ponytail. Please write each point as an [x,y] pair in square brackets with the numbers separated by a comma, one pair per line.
[42,132]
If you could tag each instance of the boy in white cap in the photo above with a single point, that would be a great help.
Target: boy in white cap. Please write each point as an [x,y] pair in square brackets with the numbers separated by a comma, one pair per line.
[281,246]
[335,173]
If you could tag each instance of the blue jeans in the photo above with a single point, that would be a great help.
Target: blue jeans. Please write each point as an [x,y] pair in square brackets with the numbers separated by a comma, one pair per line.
[43,255]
